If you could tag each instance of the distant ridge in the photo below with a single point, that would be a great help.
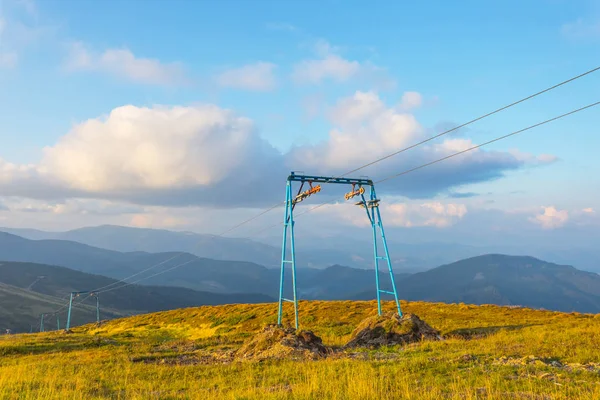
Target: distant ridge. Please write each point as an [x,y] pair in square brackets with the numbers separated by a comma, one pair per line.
[505,280]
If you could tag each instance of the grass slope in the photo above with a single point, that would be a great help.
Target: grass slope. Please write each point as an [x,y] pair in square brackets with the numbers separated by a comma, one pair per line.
[485,354]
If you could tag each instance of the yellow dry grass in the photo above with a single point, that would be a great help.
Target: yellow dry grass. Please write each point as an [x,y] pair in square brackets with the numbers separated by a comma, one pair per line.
[102,362]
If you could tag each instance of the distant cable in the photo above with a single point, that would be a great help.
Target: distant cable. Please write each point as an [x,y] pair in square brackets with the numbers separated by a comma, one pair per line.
[445,158]
[430,139]
[140,272]
[489,142]
[252,218]
[474,120]
[151,276]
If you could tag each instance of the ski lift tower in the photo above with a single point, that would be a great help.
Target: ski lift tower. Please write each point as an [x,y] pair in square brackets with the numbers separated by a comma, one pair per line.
[76,294]
[371,206]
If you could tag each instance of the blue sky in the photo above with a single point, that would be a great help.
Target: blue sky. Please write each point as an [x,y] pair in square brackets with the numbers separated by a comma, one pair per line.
[296,71]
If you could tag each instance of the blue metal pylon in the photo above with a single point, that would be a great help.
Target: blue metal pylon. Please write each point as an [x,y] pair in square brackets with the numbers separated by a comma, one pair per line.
[69,312]
[372,209]
[288,226]
[75,294]
[97,308]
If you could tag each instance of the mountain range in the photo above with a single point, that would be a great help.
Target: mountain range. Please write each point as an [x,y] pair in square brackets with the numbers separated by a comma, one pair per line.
[190,280]
[184,269]
[320,254]
[504,280]
[312,251]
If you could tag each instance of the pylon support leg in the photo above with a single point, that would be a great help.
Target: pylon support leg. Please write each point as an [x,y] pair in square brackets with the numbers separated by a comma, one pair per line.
[288,228]
[374,215]
[69,312]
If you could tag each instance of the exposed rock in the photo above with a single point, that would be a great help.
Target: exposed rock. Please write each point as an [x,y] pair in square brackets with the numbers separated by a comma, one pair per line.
[389,329]
[276,342]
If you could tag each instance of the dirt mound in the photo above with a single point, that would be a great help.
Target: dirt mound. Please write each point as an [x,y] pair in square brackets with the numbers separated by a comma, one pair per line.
[275,342]
[389,329]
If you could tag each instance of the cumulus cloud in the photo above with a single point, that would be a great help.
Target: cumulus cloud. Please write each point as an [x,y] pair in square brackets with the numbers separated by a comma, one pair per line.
[551,218]
[123,63]
[589,210]
[258,77]
[366,129]
[330,65]
[160,155]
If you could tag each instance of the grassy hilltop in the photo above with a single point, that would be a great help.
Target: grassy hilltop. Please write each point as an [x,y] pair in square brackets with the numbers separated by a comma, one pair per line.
[489,352]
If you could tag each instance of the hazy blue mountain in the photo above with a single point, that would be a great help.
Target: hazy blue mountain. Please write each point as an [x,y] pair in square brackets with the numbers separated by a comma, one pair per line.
[217,276]
[495,279]
[28,289]
[320,254]
[505,280]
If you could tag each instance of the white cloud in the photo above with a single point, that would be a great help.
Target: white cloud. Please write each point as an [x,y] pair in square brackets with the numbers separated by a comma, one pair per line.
[72,207]
[10,172]
[551,218]
[533,159]
[369,130]
[160,155]
[582,29]
[410,101]
[332,66]
[433,214]
[155,148]
[589,210]
[123,63]
[405,215]
[356,109]
[366,129]
[259,77]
